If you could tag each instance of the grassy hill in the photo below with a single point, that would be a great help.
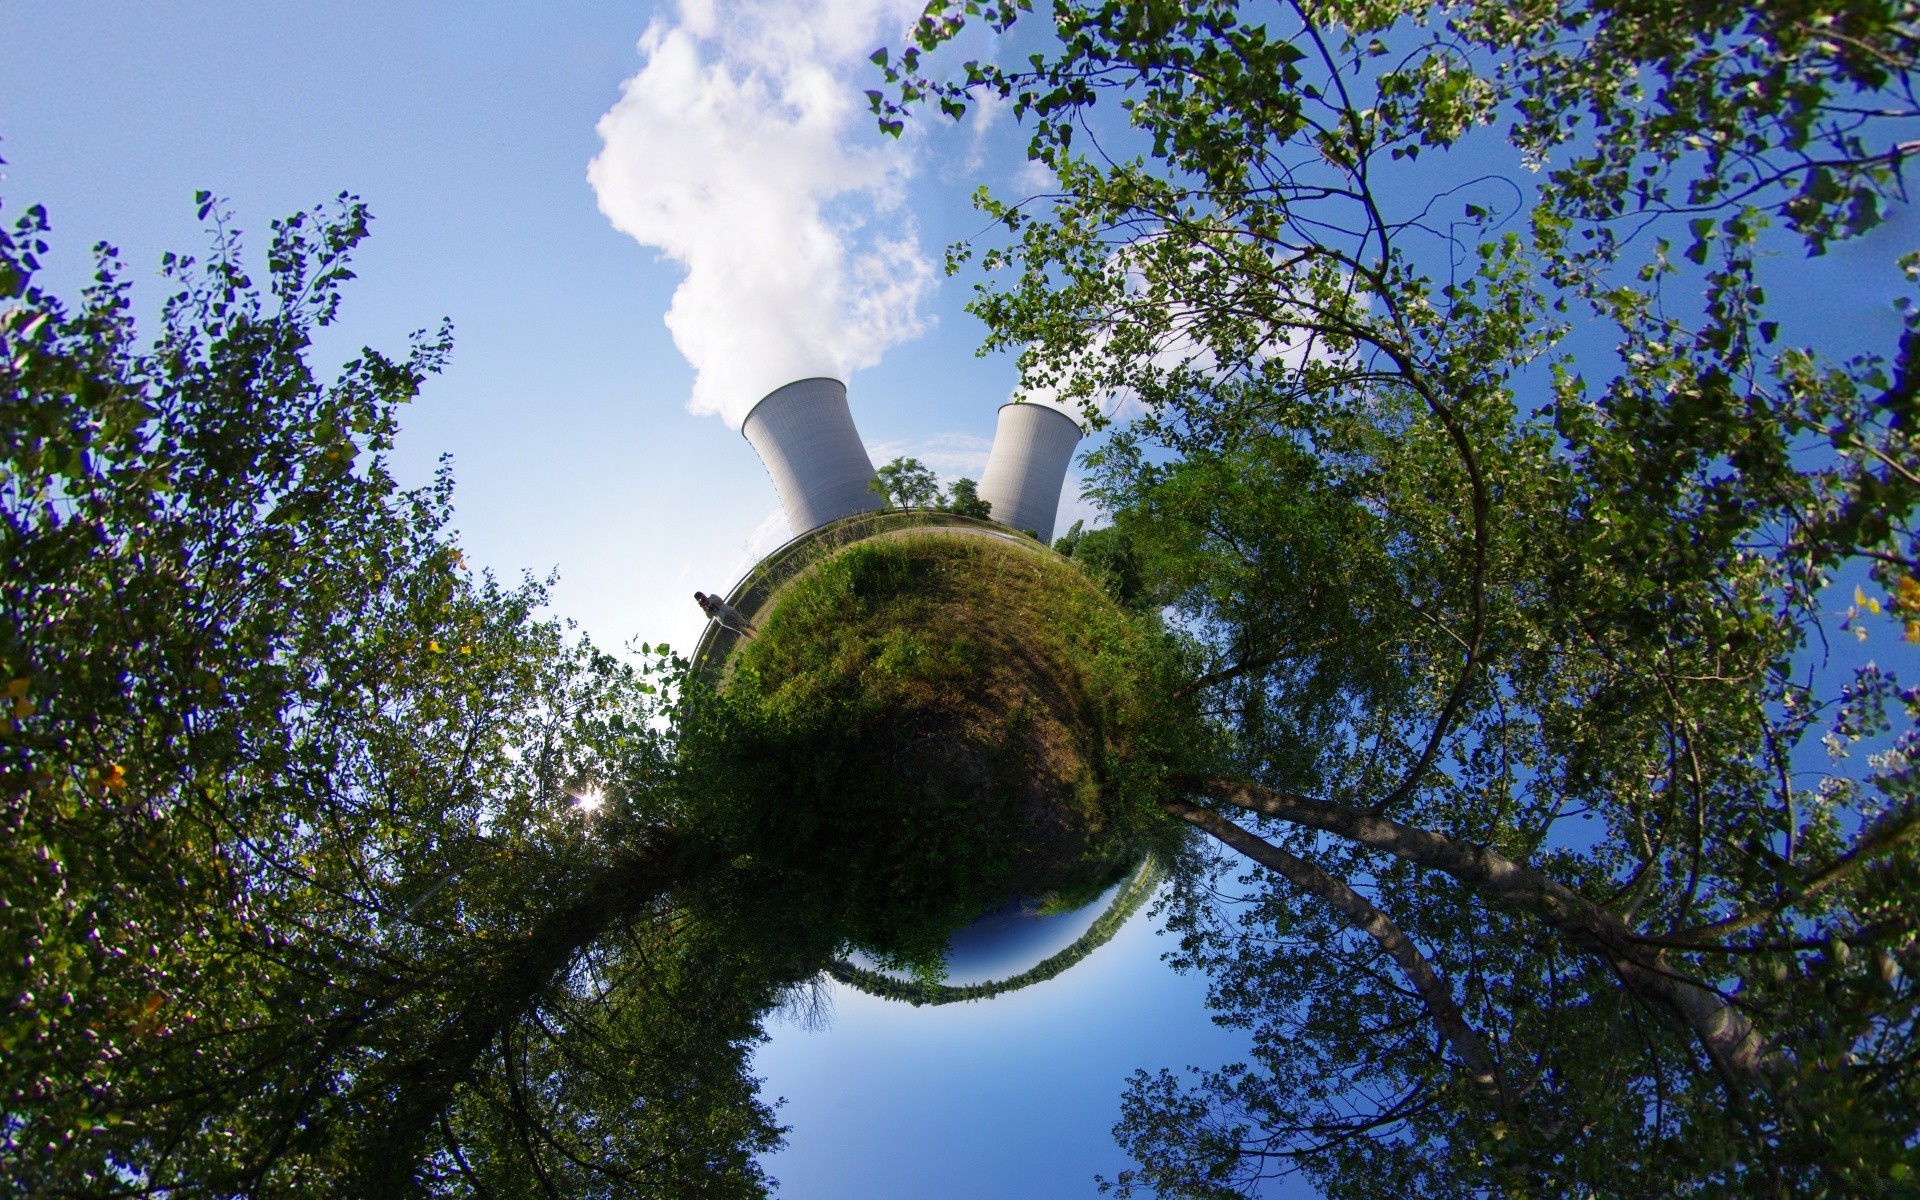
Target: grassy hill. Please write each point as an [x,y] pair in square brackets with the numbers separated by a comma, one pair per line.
[946,719]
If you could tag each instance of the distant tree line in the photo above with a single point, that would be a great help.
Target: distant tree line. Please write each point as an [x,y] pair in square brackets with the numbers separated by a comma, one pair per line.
[906,482]
[1139,888]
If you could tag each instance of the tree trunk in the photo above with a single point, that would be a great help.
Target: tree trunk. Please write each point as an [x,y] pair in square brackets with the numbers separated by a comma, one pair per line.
[1729,1039]
[409,1100]
[1436,992]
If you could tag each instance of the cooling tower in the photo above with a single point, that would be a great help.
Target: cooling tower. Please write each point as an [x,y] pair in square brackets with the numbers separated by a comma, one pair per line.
[1031,451]
[804,435]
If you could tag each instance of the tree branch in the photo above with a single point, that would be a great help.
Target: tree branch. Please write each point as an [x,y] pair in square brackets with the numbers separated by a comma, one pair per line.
[1434,991]
[1729,1039]
[1882,839]
[1221,676]
[416,1092]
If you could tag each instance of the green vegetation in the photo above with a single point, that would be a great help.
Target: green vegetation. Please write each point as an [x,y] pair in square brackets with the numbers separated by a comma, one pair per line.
[907,483]
[1526,642]
[1477,448]
[1107,555]
[329,867]
[964,498]
[1140,886]
[293,897]
[952,719]
[1080,892]
[771,573]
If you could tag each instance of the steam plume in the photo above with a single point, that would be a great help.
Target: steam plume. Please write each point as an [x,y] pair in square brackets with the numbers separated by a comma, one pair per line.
[743,150]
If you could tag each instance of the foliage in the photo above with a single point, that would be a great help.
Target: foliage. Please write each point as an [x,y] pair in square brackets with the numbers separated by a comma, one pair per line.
[907,483]
[1508,529]
[294,897]
[964,498]
[1108,556]
[1071,538]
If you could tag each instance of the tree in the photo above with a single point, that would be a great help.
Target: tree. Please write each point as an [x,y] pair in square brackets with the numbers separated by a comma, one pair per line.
[964,498]
[1071,538]
[906,483]
[1516,645]
[295,899]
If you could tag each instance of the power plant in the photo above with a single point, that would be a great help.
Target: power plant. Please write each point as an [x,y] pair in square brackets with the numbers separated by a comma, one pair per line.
[806,439]
[1032,448]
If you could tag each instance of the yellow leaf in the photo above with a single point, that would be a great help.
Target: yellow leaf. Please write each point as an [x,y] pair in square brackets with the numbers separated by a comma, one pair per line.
[17,688]
[466,649]
[1913,631]
[434,647]
[115,776]
[1906,590]
[22,706]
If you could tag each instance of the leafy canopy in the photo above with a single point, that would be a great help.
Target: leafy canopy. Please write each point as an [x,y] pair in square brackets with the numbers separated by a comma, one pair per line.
[332,867]
[1477,452]
[295,897]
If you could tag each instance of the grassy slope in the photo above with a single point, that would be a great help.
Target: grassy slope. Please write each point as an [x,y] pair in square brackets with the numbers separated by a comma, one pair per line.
[958,718]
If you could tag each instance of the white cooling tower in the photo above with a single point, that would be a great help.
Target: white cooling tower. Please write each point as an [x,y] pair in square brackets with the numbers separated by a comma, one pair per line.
[804,435]
[1032,449]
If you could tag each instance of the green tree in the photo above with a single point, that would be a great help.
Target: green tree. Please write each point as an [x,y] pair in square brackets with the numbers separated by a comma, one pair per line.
[964,498]
[295,896]
[1565,879]
[906,483]
[1071,538]
[332,868]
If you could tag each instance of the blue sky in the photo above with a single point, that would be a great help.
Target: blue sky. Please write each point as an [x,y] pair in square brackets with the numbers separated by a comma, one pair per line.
[469,129]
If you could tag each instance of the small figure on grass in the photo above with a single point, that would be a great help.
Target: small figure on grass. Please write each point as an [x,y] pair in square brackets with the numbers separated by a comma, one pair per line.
[726,614]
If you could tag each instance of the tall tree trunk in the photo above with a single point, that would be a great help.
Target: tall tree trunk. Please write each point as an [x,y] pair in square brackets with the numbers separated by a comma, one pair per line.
[1729,1039]
[1434,991]
[413,1095]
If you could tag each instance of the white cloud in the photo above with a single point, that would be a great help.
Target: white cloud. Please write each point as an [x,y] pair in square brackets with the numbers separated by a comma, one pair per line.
[948,455]
[744,151]
[988,110]
[1035,178]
